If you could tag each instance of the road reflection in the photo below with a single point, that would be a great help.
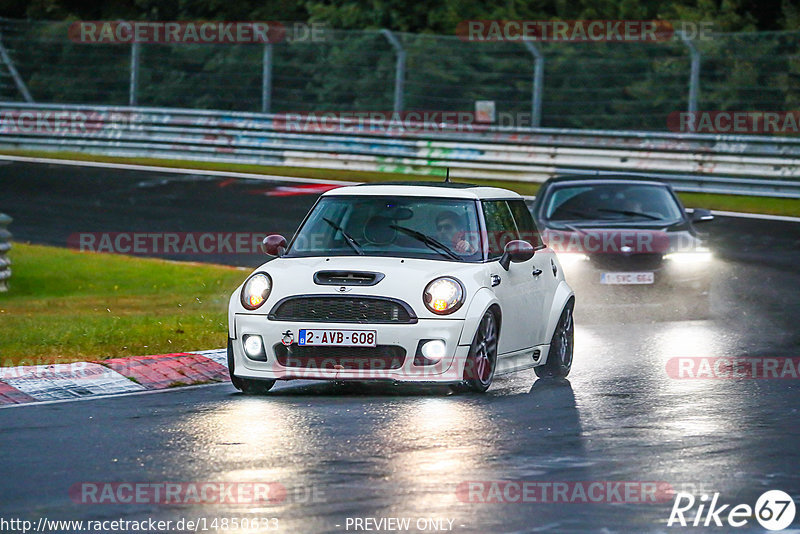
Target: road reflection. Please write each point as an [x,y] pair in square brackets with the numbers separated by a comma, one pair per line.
[404,451]
[258,440]
[649,425]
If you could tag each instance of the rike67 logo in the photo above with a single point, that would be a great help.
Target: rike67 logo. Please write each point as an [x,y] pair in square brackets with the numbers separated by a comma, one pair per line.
[774,510]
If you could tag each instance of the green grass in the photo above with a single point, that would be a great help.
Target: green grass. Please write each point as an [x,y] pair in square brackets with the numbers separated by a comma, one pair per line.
[66,305]
[769,205]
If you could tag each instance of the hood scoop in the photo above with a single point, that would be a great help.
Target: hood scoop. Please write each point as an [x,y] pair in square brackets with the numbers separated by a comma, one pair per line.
[347,278]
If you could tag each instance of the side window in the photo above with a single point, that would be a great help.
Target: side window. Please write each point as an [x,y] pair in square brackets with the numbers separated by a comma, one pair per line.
[527,228]
[500,227]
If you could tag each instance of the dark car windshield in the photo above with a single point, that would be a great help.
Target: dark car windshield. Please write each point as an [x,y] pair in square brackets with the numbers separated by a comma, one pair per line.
[611,202]
[415,227]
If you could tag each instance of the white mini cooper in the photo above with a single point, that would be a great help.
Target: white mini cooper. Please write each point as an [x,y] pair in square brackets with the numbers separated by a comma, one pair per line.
[427,282]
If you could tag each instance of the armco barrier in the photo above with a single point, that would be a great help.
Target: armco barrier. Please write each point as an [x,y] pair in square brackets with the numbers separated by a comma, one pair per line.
[5,246]
[755,165]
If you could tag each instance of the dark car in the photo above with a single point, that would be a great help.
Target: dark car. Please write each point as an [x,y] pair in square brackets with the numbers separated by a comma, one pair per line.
[625,240]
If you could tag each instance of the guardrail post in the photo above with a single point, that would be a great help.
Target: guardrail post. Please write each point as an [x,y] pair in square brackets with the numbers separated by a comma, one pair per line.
[134,83]
[538,83]
[266,79]
[5,246]
[694,78]
[5,57]
[399,68]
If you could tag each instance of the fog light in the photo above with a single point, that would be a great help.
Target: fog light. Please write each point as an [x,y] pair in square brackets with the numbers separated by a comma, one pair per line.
[434,350]
[254,347]
[695,258]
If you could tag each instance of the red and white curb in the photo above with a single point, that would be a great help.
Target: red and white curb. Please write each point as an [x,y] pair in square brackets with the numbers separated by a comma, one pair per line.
[32,383]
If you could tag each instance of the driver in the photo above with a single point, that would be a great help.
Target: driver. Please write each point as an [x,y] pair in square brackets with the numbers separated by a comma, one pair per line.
[640,202]
[633,203]
[450,231]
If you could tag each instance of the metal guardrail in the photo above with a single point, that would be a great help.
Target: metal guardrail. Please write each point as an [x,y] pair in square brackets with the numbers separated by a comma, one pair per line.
[5,246]
[749,165]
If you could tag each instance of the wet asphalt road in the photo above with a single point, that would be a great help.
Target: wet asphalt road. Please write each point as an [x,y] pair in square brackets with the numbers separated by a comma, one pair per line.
[346,451]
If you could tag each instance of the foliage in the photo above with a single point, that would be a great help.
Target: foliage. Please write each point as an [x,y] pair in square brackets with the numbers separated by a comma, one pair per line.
[586,85]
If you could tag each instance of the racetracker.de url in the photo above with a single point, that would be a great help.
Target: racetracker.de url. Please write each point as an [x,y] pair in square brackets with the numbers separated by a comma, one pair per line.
[198,524]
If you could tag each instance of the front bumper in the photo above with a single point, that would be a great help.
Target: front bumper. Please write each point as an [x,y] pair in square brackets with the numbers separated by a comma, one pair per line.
[670,282]
[339,363]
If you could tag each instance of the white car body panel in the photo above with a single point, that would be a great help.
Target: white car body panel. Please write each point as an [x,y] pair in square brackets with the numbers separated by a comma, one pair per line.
[529,305]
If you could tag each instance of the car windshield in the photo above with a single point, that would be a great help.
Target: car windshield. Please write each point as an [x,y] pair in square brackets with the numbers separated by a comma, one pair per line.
[612,202]
[415,227]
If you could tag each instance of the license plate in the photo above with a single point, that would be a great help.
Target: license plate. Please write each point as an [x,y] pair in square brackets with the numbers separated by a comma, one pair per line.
[627,278]
[341,338]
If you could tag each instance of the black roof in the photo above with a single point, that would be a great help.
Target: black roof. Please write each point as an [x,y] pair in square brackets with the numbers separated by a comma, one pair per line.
[447,185]
[605,178]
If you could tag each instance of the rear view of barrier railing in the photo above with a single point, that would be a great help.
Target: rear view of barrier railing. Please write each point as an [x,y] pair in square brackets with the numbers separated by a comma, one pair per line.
[5,246]
[752,165]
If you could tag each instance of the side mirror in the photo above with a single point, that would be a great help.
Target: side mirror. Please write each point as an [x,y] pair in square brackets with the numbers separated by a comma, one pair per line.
[701,215]
[274,245]
[516,251]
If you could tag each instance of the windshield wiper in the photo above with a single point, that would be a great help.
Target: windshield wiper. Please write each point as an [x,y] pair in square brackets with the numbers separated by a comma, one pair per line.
[630,213]
[432,243]
[571,227]
[577,213]
[347,238]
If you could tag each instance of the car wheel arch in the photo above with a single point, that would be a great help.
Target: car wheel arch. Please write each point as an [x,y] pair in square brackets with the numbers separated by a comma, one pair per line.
[498,316]
[562,298]
[483,300]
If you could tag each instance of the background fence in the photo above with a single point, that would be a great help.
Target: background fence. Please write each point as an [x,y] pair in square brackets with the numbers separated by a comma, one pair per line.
[606,86]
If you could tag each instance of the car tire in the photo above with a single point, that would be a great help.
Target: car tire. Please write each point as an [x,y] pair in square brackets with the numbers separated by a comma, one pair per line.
[247,386]
[482,356]
[562,347]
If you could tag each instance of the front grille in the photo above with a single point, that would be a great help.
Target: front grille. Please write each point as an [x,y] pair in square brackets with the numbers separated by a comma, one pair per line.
[625,262]
[342,309]
[377,358]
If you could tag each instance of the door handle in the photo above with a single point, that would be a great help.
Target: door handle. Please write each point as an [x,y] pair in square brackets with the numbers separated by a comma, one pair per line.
[536,272]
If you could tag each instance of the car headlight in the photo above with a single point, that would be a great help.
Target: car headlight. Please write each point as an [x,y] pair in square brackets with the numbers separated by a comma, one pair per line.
[571,258]
[700,256]
[443,295]
[256,290]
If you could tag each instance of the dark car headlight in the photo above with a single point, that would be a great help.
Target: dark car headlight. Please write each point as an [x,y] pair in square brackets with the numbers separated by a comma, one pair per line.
[697,258]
